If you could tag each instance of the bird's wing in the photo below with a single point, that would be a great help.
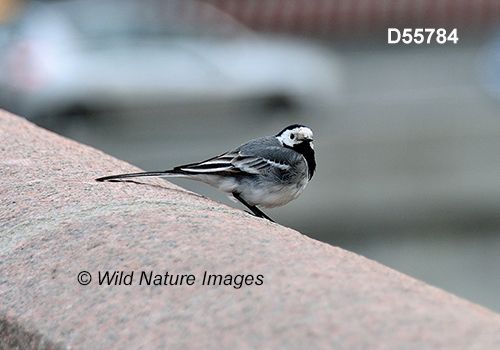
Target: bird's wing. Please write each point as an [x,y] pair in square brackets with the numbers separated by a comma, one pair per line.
[234,163]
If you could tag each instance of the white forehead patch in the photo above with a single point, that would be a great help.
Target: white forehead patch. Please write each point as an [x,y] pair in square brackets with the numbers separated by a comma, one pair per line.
[304,132]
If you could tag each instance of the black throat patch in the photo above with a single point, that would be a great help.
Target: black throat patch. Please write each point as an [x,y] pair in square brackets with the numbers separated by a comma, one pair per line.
[307,151]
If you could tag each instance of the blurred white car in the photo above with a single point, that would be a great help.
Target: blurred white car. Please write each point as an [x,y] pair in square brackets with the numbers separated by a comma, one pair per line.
[90,55]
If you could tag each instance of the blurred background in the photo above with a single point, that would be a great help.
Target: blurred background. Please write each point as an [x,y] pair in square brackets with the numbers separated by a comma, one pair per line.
[407,136]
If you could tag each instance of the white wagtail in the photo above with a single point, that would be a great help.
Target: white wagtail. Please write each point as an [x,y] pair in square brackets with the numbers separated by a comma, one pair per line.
[268,171]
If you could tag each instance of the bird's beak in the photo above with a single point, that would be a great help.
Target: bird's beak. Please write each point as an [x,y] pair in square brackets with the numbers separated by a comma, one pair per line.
[308,139]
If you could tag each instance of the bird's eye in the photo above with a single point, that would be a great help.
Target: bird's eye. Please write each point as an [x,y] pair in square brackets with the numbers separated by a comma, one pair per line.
[292,136]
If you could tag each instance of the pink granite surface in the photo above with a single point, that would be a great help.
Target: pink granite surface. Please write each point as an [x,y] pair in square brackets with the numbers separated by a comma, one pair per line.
[56,221]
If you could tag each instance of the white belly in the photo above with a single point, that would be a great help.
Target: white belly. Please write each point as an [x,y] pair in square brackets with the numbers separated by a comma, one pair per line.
[273,197]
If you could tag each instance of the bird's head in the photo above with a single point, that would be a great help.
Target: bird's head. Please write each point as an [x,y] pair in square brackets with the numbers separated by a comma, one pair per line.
[296,136]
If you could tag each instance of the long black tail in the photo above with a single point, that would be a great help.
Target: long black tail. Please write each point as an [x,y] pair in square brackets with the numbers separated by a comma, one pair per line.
[172,172]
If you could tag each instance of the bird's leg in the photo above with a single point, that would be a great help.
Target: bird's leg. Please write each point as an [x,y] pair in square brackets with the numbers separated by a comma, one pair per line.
[253,208]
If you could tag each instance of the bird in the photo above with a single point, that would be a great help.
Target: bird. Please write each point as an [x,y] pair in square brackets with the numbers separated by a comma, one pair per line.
[266,172]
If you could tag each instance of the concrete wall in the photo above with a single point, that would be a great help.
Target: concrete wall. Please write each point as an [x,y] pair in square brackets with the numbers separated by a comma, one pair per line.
[56,222]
